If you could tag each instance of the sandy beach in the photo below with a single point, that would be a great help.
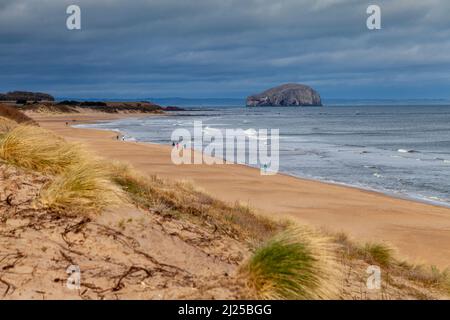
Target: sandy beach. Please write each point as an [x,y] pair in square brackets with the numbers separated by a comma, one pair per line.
[419,232]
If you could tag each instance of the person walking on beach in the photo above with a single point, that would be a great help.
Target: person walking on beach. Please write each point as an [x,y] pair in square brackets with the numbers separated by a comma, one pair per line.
[118,137]
[173,144]
[265,167]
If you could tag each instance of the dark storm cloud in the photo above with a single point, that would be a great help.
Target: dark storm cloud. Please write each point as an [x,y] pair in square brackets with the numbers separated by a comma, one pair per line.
[199,48]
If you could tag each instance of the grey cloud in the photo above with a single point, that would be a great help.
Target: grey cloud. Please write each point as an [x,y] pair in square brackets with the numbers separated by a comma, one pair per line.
[226,48]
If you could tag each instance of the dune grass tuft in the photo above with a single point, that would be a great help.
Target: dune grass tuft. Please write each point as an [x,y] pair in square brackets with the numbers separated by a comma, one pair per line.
[79,182]
[292,265]
[82,188]
[373,253]
[6,125]
[34,148]
[430,276]
[378,253]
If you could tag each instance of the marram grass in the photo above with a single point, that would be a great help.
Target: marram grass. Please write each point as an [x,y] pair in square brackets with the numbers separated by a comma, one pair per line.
[6,125]
[296,264]
[80,183]
[83,188]
[38,149]
[378,253]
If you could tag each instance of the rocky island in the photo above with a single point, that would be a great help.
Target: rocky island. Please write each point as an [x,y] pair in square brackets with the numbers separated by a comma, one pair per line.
[291,94]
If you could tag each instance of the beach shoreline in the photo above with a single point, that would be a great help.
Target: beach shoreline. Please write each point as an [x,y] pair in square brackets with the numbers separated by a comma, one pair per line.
[418,229]
[389,193]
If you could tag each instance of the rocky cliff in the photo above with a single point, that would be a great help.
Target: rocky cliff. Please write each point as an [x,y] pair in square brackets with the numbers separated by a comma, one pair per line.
[290,94]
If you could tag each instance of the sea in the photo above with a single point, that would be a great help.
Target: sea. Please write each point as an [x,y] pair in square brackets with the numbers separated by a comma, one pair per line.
[401,149]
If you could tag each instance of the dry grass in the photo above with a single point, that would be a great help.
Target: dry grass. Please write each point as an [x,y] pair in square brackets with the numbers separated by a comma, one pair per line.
[429,276]
[38,149]
[295,264]
[373,253]
[378,253]
[84,188]
[182,200]
[79,183]
[6,125]
[383,255]
[15,115]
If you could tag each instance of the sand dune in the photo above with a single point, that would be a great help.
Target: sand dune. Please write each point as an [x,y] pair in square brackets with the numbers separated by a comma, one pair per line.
[420,232]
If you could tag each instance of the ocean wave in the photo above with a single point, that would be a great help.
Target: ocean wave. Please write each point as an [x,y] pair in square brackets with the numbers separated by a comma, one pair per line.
[407,151]
[250,132]
[209,130]
[354,145]
[377,175]
[432,200]
[253,134]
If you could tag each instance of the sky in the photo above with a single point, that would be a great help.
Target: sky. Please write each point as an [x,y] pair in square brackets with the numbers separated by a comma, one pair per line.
[226,48]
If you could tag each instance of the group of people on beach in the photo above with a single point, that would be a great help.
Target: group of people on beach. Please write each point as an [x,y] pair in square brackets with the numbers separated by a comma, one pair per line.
[178,144]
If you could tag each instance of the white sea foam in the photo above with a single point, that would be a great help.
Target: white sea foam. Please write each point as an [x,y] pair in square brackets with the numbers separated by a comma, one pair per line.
[376,174]
[406,151]
[211,131]
[250,132]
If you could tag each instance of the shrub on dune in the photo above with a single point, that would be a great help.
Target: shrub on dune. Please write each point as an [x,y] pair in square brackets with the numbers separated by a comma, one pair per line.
[38,149]
[293,265]
[82,188]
